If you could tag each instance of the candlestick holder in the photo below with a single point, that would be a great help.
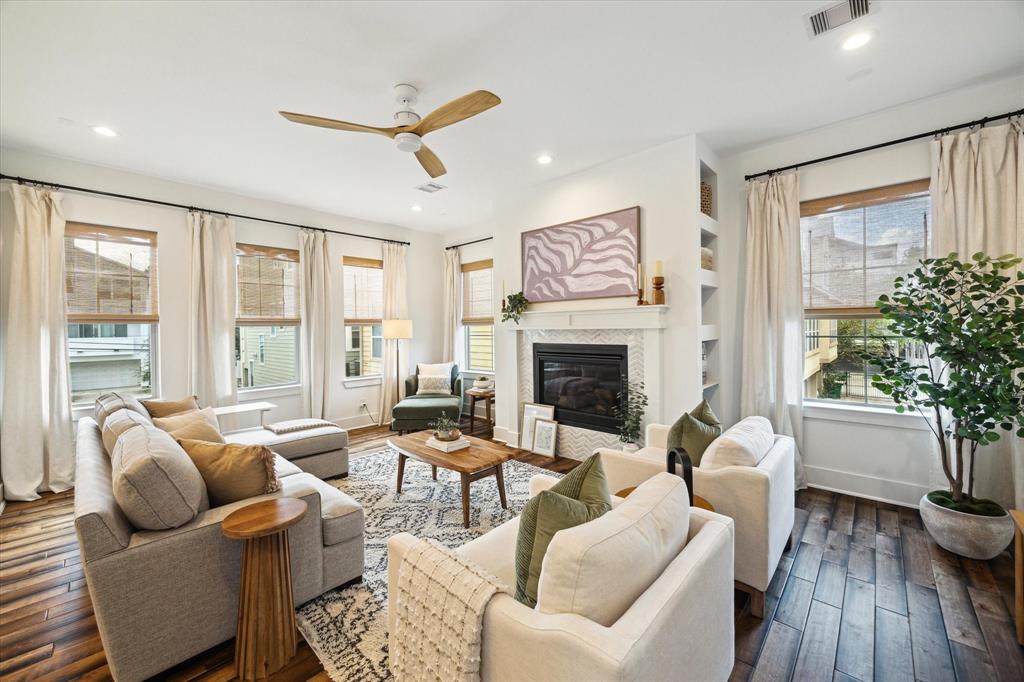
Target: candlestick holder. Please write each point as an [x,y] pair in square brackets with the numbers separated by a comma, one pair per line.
[640,296]
[658,295]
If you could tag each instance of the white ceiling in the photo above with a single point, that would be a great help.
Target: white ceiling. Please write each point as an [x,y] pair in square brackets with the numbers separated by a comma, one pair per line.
[193,88]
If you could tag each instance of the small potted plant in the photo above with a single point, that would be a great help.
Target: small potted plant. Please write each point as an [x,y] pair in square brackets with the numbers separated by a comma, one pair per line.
[832,384]
[630,410]
[513,307]
[446,429]
[964,376]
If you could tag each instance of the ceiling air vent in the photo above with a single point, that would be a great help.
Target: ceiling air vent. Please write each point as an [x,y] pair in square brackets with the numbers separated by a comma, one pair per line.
[837,15]
[431,187]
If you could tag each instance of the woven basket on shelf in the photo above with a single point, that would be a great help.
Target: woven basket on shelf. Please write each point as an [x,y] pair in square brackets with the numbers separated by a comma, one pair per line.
[705,198]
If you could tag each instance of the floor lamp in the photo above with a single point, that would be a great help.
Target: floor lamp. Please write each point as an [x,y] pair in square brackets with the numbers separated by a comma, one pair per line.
[397,330]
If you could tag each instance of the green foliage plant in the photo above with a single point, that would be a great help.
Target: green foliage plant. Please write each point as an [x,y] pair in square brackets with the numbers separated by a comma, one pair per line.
[630,410]
[515,306]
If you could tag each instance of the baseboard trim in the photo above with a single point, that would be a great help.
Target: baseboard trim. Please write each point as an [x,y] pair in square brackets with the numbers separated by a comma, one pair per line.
[902,493]
[503,435]
[358,421]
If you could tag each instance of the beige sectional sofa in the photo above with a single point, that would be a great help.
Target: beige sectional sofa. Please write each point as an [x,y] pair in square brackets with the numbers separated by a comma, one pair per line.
[162,596]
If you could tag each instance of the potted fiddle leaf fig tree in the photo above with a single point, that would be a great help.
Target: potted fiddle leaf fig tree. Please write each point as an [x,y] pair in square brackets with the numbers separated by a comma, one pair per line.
[630,409]
[961,366]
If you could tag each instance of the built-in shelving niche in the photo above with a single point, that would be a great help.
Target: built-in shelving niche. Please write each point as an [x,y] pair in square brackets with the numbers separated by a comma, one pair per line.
[709,284]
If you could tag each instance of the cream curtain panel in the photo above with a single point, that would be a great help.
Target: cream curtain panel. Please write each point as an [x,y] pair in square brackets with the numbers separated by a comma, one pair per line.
[315,266]
[395,308]
[773,316]
[452,303]
[977,188]
[36,451]
[212,309]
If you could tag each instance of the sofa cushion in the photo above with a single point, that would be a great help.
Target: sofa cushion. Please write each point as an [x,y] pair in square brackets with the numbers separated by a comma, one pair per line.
[694,431]
[155,483]
[426,406]
[168,408]
[586,484]
[294,444]
[108,403]
[598,569]
[342,516]
[283,467]
[192,425]
[745,444]
[117,423]
[232,472]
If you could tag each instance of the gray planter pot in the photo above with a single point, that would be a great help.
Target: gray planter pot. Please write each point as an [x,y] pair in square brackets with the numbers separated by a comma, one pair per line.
[969,535]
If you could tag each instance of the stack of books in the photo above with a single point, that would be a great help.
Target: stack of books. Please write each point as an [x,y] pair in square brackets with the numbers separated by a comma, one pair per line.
[447,445]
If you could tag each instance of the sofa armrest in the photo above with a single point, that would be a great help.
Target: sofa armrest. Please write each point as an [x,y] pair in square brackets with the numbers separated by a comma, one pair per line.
[411,385]
[657,435]
[623,470]
[541,482]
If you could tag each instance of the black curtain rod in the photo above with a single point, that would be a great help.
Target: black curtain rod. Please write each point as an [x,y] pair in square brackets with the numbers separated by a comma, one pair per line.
[23,181]
[890,143]
[475,241]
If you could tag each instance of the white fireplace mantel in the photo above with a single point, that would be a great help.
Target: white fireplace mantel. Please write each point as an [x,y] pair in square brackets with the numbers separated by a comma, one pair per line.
[637,317]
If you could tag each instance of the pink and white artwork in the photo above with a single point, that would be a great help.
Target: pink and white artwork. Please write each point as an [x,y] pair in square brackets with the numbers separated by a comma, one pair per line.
[590,258]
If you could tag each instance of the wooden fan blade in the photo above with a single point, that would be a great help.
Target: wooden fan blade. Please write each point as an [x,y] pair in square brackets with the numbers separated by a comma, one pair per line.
[430,162]
[321,122]
[457,110]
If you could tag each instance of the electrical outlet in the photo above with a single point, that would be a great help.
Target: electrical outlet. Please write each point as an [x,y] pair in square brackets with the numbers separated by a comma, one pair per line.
[363,406]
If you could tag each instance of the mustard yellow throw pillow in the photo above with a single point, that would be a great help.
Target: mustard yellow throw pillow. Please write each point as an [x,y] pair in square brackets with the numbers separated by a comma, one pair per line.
[167,408]
[193,425]
[232,471]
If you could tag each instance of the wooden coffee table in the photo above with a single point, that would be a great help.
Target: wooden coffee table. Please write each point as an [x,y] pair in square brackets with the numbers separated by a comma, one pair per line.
[481,459]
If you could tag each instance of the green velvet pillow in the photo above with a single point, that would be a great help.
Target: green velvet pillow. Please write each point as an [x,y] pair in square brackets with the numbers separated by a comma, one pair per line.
[694,431]
[582,495]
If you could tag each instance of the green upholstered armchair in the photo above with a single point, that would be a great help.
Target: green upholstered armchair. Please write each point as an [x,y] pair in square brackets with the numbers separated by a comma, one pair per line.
[417,412]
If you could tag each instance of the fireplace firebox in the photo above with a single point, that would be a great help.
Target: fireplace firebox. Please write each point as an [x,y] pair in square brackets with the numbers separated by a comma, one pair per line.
[582,381]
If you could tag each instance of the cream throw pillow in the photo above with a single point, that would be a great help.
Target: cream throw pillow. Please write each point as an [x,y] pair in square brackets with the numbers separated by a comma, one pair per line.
[441,369]
[192,425]
[232,471]
[429,385]
[598,569]
[117,423]
[166,408]
[745,444]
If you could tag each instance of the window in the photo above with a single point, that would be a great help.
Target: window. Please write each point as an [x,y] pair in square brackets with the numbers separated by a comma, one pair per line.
[267,327]
[364,309]
[853,246]
[111,286]
[478,314]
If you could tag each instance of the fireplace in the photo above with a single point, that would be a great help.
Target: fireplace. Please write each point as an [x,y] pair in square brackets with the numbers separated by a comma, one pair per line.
[582,381]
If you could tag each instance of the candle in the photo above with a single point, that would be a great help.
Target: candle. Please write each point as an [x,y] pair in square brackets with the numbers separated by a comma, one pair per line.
[639,276]
[659,268]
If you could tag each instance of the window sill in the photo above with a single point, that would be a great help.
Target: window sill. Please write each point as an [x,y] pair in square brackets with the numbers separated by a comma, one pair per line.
[863,414]
[260,392]
[485,372]
[359,382]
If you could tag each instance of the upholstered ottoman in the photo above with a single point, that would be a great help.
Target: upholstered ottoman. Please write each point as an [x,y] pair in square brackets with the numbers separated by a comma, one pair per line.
[313,445]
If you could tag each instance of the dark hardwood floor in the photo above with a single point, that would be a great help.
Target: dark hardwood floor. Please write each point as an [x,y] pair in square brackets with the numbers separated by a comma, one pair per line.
[864,594]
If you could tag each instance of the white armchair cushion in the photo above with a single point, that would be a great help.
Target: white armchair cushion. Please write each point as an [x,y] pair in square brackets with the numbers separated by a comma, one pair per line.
[745,444]
[598,569]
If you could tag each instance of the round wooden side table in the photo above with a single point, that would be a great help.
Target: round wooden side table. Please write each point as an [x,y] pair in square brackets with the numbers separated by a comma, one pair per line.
[266,638]
[698,501]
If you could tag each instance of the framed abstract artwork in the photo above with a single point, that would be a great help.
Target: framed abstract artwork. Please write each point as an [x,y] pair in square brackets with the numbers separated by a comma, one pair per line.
[545,435]
[592,257]
[531,413]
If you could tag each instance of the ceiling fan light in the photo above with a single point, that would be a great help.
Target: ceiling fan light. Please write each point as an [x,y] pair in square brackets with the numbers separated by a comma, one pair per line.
[408,142]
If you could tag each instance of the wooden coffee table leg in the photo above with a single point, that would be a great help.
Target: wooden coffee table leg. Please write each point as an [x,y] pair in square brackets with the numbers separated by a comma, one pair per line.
[498,474]
[465,500]
[401,471]
[433,472]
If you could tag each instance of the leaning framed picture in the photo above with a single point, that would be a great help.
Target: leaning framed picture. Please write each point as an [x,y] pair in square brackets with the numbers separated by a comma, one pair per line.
[532,412]
[545,434]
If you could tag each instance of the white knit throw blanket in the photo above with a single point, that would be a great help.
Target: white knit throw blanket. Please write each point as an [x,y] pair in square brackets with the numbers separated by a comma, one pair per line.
[440,608]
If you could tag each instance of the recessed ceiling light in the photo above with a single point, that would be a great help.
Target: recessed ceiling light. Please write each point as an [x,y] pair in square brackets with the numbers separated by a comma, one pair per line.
[544,159]
[104,131]
[416,207]
[857,40]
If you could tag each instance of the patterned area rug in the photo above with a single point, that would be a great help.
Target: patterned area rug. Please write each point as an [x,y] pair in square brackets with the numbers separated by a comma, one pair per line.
[347,628]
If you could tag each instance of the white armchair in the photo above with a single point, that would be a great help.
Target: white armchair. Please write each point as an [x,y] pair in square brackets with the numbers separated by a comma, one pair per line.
[683,621]
[760,500]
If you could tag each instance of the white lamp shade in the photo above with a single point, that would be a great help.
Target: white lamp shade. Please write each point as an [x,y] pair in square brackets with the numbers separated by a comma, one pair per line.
[397,329]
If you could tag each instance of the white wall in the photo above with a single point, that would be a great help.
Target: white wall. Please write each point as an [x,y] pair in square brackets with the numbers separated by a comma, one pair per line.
[655,180]
[423,262]
[890,462]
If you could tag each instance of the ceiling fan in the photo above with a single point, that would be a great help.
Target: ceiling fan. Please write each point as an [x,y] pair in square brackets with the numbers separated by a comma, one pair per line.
[410,128]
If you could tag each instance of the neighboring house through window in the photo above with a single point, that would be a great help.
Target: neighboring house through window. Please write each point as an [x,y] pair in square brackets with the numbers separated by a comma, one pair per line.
[268,325]
[853,246]
[478,314]
[364,310]
[110,280]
